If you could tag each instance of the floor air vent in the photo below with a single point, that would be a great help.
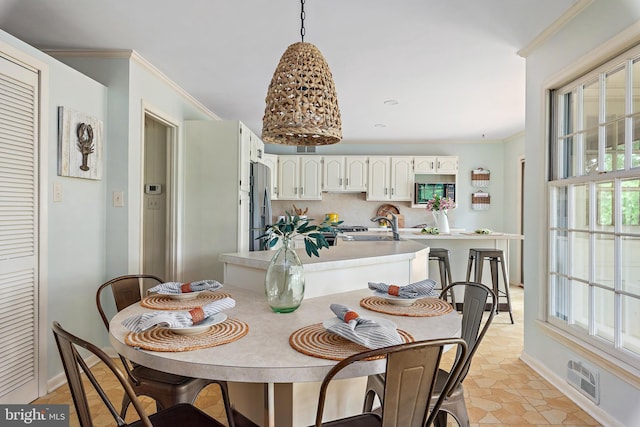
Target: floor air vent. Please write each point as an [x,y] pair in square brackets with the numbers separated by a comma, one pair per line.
[584,380]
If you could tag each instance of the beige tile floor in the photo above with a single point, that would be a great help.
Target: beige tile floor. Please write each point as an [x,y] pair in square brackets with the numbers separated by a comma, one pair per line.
[500,389]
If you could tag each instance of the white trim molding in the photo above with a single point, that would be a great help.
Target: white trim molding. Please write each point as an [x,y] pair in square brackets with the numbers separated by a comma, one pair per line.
[556,26]
[571,393]
[603,360]
[135,56]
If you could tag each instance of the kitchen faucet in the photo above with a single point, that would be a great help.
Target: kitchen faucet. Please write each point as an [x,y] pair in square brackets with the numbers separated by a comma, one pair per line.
[393,222]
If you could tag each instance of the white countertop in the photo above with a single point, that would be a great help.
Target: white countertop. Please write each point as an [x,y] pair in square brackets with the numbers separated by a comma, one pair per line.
[415,234]
[344,254]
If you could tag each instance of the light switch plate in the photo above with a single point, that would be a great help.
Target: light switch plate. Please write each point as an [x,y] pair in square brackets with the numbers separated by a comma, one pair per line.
[118,199]
[57,192]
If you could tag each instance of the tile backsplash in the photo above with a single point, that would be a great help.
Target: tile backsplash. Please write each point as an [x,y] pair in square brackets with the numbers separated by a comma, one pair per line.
[353,209]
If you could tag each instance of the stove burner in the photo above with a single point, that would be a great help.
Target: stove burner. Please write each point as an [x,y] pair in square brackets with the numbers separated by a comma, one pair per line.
[352,228]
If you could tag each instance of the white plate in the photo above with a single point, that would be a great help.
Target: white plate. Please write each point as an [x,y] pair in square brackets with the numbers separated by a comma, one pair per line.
[201,327]
[380,321]
[182,297]
[396,300]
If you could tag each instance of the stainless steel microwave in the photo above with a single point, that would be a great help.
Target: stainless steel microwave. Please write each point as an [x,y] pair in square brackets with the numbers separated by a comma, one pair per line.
[425,192]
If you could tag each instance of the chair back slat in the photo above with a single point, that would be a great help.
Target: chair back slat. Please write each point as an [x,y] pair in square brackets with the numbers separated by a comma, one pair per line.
[476,297]
[411,370]
[125,290]
[74,365]
[410,378]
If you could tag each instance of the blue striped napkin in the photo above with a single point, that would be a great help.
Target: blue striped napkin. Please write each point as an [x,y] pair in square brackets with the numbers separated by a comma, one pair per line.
[365,332]
[423,288]
[177,319]
[177,287]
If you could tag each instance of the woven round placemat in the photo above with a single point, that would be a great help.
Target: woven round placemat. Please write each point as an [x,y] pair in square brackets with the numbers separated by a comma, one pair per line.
[163,339]
[314,340]
[425,307]
[163,302]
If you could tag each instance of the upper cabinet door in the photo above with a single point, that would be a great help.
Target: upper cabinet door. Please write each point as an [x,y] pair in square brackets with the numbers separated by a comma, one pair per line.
[257,147]
[271,160]
[288,173]
[378,185]
[244,155]
[447,164]
[424,164]
[401,178]
[333,170]
[355,172]
[310,178]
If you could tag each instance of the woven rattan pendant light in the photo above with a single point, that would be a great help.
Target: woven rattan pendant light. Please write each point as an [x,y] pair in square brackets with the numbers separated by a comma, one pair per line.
[301,104]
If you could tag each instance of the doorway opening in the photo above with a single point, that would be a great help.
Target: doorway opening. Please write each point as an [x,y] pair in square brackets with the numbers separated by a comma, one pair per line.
[158,212]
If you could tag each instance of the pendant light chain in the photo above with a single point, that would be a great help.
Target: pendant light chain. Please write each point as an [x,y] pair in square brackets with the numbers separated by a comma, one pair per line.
[302,16]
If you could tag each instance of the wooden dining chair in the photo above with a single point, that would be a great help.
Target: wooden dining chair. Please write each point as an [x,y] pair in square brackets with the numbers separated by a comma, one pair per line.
[476,298]
[165,388]
[74,366]
[411,372]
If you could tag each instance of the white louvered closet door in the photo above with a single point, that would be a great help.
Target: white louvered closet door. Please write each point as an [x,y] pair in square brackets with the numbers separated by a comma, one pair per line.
[18,233]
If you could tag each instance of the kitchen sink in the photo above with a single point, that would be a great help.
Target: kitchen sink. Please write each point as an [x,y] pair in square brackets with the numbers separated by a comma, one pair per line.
[367,238]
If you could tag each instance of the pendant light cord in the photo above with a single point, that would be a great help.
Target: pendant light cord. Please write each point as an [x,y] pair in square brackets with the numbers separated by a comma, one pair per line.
[302,16]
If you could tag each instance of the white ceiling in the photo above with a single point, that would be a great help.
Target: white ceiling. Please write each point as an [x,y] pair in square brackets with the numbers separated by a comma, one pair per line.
[452,65]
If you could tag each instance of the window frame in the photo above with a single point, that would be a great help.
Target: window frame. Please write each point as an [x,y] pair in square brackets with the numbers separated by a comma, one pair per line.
[568,169]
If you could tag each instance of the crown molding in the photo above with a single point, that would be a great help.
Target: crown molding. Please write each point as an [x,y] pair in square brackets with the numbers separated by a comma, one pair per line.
[134,56]
[556,26]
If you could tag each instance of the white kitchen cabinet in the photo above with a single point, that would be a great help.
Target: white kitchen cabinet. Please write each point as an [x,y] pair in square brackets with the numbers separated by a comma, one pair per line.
[390,178]
[401,178]
[435,164]
[447,164]
[344,173]
[299,177]
[256,147]
[332,173]
[216,195]
[243,164]
[378,188]
[271,160]
[424,164]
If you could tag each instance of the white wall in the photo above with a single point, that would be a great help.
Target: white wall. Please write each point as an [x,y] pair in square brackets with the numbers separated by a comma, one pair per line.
[577,44]
[111,242]
[136,85]
[355,210]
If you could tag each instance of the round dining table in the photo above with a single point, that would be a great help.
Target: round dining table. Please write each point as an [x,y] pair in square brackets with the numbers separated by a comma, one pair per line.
[270,382]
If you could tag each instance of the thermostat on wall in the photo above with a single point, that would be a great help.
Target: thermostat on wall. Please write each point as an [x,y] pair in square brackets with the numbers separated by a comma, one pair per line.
[153,188]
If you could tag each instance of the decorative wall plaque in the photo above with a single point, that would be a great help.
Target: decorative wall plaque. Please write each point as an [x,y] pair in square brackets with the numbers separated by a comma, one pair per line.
[80,145]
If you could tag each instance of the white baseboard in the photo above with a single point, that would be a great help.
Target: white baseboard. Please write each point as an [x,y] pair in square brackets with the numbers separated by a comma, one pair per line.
[572,394]
[61,379]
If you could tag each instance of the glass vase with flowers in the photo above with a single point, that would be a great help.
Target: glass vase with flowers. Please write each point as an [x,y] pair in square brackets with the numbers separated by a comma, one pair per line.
[438,206]
[284,281]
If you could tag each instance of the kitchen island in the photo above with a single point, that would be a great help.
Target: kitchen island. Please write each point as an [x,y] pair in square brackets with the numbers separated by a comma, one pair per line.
[458,242]
[349,265]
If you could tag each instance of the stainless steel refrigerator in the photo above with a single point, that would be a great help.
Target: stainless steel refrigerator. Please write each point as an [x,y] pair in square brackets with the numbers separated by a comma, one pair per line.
[259,204]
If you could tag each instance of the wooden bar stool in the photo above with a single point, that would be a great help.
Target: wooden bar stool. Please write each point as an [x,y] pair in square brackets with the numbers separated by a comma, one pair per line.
[495,257]
[442,256]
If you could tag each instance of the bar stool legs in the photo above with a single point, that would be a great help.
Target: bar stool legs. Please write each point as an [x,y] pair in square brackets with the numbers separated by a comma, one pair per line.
[495,257]
[442,256]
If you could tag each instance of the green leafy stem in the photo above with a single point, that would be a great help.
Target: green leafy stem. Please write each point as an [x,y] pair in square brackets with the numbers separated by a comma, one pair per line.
[291,226]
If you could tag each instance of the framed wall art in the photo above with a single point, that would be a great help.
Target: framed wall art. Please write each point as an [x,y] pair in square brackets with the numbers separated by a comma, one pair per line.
[80,145]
